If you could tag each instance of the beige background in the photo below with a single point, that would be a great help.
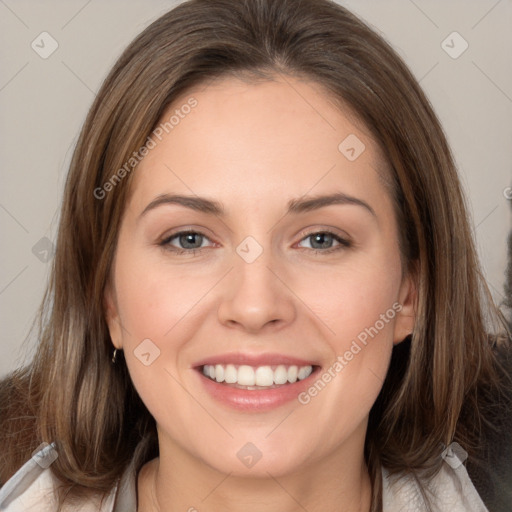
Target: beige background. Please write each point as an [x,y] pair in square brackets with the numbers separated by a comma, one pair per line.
[44,101]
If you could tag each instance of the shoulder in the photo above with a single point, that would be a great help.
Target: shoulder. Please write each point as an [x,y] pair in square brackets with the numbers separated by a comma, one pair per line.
[34,488]
[18,432]
[449,490]
[491,470]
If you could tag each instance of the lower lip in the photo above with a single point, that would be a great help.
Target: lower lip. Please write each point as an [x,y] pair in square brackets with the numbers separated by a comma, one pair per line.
[255,400]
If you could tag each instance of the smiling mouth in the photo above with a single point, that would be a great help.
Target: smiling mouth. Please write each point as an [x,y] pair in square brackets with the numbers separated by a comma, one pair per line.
[256,378]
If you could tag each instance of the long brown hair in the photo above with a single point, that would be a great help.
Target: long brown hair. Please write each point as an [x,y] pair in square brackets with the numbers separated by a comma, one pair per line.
[72,395]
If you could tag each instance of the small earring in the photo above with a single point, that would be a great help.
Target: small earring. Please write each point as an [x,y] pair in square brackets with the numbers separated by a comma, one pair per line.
[114,356]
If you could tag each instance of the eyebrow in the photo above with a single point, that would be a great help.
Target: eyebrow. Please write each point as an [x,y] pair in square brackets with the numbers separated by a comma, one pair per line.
[295,206]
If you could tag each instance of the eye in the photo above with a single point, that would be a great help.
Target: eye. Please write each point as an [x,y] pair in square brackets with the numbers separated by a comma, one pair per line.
[322,242]
[190,242]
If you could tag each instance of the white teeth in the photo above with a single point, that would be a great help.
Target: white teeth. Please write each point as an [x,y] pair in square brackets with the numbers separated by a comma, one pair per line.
[281,375]
[246,376]
[303,372]
[219,373]
[293,372]
[230,374]
[262,376]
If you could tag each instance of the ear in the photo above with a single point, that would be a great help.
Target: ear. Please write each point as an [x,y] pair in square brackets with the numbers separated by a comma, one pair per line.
[112,316]
[408,295]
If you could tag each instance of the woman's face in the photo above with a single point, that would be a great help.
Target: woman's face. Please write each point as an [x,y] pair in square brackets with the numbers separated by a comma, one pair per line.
[270,283]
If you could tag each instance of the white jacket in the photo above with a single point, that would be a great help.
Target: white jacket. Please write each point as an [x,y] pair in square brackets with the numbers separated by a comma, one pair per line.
[31,489]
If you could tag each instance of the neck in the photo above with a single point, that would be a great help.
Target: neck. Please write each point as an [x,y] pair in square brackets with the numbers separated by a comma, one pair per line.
[179,482]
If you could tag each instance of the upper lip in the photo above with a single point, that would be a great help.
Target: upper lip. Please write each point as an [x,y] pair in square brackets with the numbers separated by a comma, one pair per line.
[254,360]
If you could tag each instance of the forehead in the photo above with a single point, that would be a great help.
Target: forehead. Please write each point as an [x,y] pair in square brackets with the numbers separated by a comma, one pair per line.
[285,136]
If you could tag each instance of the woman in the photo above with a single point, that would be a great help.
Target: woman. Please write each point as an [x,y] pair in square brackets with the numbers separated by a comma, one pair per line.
[257,368]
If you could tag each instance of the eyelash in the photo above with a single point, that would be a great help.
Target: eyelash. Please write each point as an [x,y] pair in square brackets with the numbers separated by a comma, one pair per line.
[343,243]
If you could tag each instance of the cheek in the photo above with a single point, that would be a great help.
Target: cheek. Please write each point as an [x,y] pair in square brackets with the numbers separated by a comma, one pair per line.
[359,306]
[354,298]
[159,305]
[156,304]
[154,298]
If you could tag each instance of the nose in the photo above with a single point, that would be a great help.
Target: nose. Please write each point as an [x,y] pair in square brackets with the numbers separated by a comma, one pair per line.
[257,295]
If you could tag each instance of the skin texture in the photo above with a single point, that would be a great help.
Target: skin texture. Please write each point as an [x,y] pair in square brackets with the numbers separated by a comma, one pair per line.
[253,147]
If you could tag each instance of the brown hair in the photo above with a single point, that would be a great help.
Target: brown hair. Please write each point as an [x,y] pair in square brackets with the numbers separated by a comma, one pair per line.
[441,379]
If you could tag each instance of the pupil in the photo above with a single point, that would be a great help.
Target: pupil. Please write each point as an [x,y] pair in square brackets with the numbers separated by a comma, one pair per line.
[320,237]
[189,238]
